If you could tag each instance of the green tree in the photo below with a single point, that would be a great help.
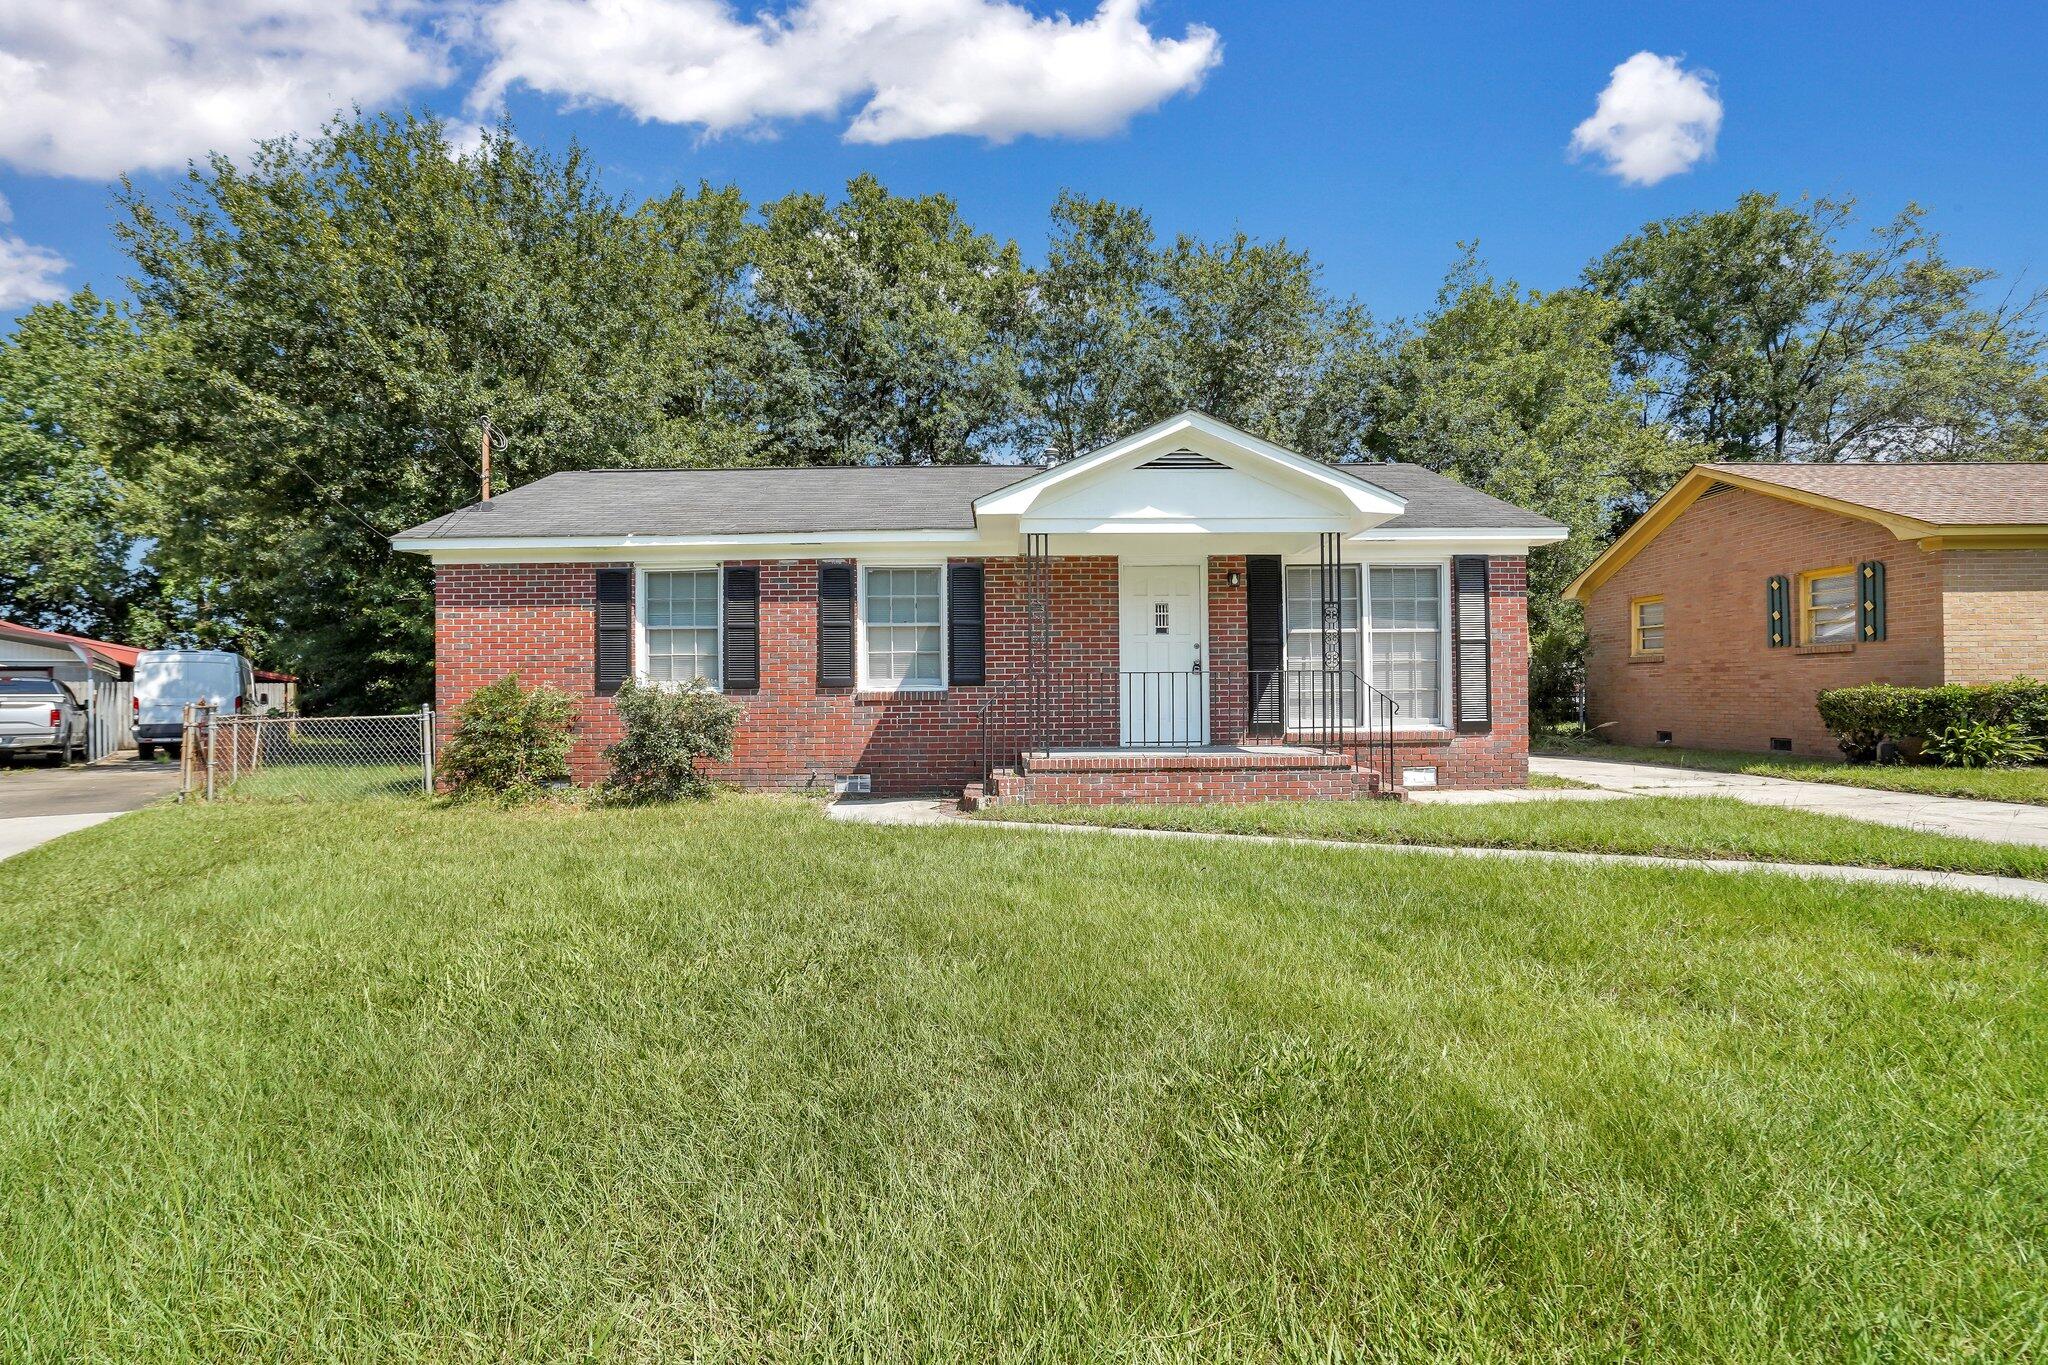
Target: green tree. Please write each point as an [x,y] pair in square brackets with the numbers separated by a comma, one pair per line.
[1123,332]
[1090,341]
[327,324]
[888,330]
[1756,332]
[1249,335]
[69,557]
[1512,393]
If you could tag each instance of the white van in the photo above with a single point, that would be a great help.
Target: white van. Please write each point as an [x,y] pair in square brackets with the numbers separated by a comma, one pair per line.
[169,680]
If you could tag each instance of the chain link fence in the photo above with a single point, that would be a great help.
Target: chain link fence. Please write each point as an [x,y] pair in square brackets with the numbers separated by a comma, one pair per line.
[308,758]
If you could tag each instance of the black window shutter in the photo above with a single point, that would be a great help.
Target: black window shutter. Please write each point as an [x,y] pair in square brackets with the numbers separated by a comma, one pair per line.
[1778,599]
[1266,637]
[835,625]
[1870,606]
[614,629]
[1474,643]
[966,626]
[742,628]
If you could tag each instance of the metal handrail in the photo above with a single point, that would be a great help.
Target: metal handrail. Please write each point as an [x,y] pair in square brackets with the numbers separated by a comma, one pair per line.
[1333,710]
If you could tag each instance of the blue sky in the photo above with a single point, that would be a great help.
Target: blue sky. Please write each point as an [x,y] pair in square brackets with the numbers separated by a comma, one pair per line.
[1374,135]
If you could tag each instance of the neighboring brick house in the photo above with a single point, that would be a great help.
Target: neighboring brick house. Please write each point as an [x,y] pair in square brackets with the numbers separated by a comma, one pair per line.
[1748,589]
[1144,622]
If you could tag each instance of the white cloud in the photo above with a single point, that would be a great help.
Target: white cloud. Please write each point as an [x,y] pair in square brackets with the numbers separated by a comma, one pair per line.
[94,89]
[1654,120]
[921,68]
[28,274]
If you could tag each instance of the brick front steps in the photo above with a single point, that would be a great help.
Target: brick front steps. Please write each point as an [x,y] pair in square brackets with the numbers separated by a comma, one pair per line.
[1210,776]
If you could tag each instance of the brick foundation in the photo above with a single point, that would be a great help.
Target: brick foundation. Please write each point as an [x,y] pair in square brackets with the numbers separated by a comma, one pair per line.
[539,619]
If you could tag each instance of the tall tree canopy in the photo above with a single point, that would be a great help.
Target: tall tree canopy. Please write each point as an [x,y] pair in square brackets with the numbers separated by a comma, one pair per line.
[889,331]
[1757,332]
[328,324]
[1513,393]
[69,557]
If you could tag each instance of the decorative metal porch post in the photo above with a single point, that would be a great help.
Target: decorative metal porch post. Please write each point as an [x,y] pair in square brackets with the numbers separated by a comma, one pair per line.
[1330,561]
[1037,642]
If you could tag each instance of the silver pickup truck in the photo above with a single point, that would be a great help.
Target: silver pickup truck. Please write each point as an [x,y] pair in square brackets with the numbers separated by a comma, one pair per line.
[40,716]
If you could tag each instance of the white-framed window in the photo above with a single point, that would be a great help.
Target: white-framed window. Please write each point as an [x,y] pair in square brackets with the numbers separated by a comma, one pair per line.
[680,615]
[903,634]
[1309,700]
[1405,624]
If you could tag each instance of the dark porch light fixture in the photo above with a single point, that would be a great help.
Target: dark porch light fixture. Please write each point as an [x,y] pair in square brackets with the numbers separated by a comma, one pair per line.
[1236,579]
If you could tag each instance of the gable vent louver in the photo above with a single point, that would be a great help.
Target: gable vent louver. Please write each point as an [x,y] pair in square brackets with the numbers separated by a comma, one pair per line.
[1183,459]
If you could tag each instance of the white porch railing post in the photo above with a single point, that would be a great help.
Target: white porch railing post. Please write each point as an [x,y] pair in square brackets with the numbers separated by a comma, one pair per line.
[427,748]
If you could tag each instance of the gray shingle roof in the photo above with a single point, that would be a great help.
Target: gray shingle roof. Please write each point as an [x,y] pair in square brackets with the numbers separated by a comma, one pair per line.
[688,502]
[706,502]
[1436,503]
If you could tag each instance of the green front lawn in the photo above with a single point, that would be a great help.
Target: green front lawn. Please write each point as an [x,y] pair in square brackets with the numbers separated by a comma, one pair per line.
[1674,826]
[400,1082]
[2027,785]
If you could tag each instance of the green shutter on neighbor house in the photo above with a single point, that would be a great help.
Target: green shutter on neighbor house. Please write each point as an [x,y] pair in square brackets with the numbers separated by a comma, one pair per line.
[1778,597]
[1870,605]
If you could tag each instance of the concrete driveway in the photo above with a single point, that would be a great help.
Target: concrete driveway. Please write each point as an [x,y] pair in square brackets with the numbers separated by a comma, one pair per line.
[38,804]
[1998,821]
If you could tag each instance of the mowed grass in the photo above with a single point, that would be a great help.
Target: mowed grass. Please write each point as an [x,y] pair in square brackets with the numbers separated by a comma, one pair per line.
[2026,785]
[395,1082]
[1670,826]
[323,782]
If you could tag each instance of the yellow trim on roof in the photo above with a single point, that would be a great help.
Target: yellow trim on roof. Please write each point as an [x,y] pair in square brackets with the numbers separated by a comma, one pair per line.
[1700,478]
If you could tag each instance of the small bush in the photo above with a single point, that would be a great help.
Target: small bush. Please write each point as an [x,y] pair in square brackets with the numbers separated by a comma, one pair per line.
[1984,744]
[509,743]
[1911,718]
[667,732]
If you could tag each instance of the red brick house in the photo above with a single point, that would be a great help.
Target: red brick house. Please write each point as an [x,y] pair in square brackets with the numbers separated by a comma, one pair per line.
[1188,614]
[1748,589]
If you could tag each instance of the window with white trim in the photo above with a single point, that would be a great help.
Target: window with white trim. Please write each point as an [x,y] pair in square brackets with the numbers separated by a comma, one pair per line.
[902,625]
[1307,694]
[679,614]
[1406,628]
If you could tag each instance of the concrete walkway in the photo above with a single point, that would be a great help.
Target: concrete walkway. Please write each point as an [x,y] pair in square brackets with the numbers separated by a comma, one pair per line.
[1997,821]
[40,804]
[22,833]
[927,812]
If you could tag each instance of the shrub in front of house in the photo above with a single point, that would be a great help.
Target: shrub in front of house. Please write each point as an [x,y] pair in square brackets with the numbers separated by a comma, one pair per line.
[510,743]
[1912,719]
[668,732]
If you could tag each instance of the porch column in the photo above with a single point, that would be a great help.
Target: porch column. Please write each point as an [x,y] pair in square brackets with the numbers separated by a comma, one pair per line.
[1227,656]
[1038,699]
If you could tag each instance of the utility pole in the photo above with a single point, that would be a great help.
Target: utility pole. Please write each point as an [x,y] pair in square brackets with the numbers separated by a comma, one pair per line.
[489,439]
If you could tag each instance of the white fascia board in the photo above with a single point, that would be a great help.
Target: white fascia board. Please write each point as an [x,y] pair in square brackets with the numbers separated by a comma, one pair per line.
[1517,535]
[1084,526]
[1367,499]
[625,546]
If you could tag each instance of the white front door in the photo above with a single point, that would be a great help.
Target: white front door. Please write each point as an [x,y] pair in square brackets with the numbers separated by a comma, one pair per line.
[1163,686]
